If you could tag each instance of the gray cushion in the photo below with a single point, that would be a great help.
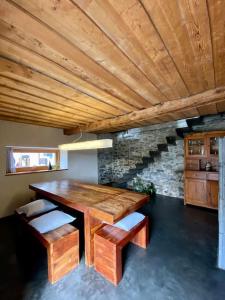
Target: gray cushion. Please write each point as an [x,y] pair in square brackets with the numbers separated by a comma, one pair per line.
[129,221]
[36,207]
[51,221]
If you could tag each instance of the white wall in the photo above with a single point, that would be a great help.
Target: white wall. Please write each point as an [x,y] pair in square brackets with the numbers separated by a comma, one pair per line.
[14,189]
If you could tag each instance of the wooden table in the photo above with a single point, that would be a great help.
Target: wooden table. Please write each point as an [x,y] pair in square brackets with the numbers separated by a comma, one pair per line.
[98,203]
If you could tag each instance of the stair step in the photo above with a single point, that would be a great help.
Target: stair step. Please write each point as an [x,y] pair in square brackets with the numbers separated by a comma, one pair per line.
[162,147]
[171,140]
[154,153]
[119,184]
[141,166]
[195,121]
[146,160]
[132,171]
[181,132]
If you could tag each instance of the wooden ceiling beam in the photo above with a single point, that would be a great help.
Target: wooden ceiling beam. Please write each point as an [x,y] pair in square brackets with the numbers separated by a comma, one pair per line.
[213,95]
[220,106]
[209,109]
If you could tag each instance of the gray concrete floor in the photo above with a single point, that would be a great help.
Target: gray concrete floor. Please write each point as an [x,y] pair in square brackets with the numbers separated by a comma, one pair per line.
[180,262]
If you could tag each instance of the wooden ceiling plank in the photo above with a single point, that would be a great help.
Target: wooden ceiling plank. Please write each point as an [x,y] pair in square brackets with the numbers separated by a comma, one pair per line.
[184,28]
[209,109]
[48,105]
[128,25]
[213,95]
[26,116]
[15,104]
[18,54]
[8,117]
[39,107]
[91,40]
[69,104]
[29,76]
[221,106]
[48,43]
[217,22]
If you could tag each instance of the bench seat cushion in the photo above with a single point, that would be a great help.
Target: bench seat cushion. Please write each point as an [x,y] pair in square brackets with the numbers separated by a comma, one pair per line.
[129,221]
[36,207]
[51,221]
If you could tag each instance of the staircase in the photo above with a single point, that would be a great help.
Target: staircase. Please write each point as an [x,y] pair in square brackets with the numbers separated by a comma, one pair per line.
[191,123]
[145,161]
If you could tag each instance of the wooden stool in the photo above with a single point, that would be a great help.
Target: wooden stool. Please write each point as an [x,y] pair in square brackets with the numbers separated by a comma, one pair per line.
[108,244]
[62,248]
[63,251]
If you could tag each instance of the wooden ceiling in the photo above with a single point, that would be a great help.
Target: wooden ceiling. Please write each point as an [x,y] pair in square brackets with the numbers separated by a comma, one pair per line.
[108,65]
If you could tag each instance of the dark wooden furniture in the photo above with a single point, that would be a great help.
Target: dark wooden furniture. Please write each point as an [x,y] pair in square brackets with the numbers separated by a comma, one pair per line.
[202,184]
[98,203]
[108,244]
[62,246]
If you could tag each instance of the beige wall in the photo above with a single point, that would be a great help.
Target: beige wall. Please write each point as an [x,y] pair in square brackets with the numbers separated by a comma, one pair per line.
[14,189]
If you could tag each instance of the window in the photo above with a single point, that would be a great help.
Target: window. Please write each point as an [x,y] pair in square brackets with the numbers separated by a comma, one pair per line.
[23,160]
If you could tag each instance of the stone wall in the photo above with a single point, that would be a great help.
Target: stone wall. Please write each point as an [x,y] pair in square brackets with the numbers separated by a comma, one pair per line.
[129,148]
[166,172]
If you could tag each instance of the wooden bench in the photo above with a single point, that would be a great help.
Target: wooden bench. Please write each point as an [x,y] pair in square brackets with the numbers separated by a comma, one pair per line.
[108,244]
[62,248]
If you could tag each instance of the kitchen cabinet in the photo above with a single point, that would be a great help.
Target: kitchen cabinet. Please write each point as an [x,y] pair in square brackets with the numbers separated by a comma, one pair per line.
[201,169]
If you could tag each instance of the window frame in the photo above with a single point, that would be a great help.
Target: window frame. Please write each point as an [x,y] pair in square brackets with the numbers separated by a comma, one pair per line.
[33,169]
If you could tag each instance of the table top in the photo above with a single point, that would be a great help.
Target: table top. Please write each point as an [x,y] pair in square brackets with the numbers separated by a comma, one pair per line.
[102,202]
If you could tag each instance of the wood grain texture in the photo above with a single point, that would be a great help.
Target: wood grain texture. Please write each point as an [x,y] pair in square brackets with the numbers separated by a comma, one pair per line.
[108,244]
[217,22]
[185,29]
[94,43]
[31,77]
[150,113]
[128,25]
[126,56]
[51,45]
[201,186]
[63,254]
[98,203]
[62,246]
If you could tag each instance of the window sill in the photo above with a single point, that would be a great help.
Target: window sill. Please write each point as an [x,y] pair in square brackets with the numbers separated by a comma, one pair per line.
[32,172]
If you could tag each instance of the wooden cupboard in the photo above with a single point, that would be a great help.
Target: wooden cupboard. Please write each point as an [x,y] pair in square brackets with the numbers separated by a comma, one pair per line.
[201,169]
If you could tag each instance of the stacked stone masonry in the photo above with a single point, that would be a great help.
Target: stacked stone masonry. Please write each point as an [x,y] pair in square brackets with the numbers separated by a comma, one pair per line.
[166,170]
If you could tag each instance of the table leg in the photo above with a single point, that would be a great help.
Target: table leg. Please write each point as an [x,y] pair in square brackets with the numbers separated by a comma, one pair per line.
[90,226]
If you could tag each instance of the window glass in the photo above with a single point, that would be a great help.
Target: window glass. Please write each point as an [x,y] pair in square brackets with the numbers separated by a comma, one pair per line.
[31,159]
[26,159]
